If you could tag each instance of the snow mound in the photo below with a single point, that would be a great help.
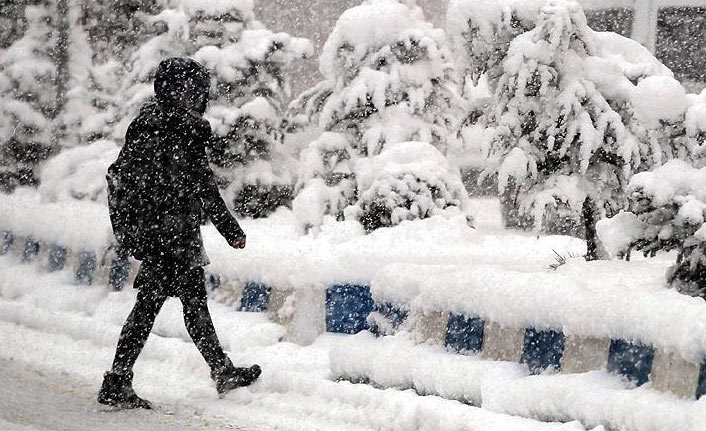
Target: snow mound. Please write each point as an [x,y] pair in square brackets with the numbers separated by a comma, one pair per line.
[78,173]
[674,178]
[658,98]
[618,232]
[218,7]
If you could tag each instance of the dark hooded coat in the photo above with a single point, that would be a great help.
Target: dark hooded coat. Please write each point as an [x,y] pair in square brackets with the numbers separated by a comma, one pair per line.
[164,168]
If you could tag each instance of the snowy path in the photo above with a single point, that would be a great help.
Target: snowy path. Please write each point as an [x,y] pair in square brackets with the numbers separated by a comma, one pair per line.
[36,399]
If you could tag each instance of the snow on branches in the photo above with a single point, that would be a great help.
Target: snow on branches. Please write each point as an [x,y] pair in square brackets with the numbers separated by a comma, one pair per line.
[408,181]
[388,79]
[667,212]
[28,98]
[248,90]
[564,122]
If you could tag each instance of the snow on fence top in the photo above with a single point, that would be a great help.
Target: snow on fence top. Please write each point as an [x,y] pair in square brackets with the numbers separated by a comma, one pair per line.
[77,225]
[613,299]
[433,264]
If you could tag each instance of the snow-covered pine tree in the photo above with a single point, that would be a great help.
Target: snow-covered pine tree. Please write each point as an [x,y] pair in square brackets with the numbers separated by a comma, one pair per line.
[480,32]
[28,97]
[116,27]
[104,36]
[667,211]
[91,101]
[560,111]
[388,79]
[249,86]
[165,35]
[249,65]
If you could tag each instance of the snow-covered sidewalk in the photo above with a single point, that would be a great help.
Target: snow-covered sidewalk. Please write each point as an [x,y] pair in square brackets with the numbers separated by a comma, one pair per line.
[68,333]
[35,399]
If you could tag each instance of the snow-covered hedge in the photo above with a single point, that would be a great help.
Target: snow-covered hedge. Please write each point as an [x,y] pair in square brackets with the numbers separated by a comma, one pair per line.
[667,212]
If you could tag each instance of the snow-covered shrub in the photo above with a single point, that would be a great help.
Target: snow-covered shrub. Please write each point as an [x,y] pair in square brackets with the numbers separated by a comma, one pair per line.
[388,78]
[28,98]
[564,122]
[326,179]
[407,181]
[78,173]
[667,211]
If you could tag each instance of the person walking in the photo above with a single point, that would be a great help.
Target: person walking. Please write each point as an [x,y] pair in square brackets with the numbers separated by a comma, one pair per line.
[160,187]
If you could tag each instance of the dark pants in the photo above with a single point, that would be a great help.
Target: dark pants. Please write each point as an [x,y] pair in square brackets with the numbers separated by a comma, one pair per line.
[157,280]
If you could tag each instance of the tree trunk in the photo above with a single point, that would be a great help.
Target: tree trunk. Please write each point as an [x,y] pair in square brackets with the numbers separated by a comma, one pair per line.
[61,54]
[588,213]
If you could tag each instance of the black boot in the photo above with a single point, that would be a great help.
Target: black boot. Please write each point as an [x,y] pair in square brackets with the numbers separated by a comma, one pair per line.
[117,391]
[230,377]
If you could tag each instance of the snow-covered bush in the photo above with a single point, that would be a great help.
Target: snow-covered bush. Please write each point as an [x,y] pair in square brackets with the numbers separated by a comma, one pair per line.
[667,211]
[28,98]
[564,122]
[78,173]
[388,79]
[407,181]
[326,179]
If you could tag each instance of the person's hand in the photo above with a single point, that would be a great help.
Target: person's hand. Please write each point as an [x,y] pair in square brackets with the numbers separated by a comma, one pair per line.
[239,244]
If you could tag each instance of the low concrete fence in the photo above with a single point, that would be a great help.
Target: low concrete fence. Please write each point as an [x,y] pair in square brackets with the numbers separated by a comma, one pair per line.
[349,309]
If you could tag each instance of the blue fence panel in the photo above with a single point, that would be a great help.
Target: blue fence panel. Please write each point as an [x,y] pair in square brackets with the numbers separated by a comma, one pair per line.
[347,308]
[542,350]
[701,388]
[632,360]
[119,273]
[464,334]
[57,258]
[255,298]
[31,249]
[86,266]
[393,313]
[7,240]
